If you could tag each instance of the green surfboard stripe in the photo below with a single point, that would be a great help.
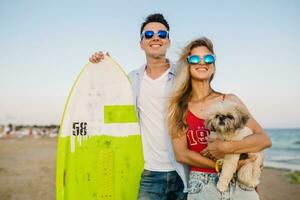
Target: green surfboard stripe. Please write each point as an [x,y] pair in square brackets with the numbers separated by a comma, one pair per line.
[119,114]
[101,167]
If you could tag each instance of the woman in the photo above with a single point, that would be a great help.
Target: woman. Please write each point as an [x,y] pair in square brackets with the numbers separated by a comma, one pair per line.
[192,95]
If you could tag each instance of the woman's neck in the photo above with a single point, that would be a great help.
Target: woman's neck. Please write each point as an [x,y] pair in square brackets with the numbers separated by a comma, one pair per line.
[201,90]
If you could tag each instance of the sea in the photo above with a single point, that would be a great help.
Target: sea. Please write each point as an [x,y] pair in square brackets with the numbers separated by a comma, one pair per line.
[285,150]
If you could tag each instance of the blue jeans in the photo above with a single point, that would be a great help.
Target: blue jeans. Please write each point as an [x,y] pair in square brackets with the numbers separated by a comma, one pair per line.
[161,186]
[204,186]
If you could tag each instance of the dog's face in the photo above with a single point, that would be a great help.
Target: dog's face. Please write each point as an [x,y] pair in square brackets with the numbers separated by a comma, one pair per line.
[226,117]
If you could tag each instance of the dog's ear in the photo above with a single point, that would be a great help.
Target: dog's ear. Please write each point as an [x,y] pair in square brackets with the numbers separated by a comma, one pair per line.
[209,125]
[245,118]
[212,128]
[243,115]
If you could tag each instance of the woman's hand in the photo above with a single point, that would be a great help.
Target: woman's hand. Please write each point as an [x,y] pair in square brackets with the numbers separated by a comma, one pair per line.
[216,149]
[251,158]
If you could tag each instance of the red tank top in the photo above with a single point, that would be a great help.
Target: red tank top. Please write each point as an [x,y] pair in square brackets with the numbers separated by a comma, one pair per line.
[197,136]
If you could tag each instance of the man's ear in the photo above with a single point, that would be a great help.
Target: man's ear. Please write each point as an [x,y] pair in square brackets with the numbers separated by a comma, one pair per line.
[169,43]
[141,44]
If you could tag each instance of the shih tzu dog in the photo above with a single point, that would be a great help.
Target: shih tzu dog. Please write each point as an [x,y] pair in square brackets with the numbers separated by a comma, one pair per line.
[226,120]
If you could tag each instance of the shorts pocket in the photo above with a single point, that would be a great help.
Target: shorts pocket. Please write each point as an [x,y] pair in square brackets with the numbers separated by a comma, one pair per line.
[195,186]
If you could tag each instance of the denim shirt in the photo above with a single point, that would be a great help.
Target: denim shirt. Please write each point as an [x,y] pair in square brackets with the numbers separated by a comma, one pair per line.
[136,77]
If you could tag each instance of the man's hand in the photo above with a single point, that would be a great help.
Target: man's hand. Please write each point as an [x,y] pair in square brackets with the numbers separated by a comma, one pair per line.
[97,57]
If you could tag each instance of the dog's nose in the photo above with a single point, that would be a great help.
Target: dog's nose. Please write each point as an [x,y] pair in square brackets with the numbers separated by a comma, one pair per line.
[222,117]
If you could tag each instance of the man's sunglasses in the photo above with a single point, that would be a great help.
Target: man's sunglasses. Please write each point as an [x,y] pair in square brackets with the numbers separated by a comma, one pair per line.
[195,59]
[162,34]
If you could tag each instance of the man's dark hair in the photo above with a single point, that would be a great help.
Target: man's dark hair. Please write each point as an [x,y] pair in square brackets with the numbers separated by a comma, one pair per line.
[156,17]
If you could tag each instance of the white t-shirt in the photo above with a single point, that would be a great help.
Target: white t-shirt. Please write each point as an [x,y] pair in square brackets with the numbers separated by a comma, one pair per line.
[151,104]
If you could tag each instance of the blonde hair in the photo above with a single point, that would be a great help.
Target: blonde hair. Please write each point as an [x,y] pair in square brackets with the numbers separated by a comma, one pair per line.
[182,89]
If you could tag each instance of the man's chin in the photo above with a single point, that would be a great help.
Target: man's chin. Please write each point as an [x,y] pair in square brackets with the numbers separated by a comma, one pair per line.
[158,55]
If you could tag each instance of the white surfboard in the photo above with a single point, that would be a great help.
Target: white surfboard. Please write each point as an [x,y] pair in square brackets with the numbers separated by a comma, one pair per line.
[99,150]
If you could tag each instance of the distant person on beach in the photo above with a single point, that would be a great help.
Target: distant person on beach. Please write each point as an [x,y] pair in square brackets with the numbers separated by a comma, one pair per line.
[30,131]
[163,177]
[9,130]
[190,99]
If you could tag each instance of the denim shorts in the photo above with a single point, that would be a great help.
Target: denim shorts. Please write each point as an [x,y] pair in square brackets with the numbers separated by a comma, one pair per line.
[204,186]
[161,186]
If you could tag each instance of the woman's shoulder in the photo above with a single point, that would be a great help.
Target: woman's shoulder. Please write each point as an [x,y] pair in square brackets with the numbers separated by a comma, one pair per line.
[232,97]
[219,97]
[224,96]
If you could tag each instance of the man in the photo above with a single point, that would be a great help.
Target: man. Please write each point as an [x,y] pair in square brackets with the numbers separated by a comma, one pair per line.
[163,178]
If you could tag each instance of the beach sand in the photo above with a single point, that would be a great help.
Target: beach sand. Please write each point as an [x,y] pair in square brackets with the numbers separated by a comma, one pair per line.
[27,172]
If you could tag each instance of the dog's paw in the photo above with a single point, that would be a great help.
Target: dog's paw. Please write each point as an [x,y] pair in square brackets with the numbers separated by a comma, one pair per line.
[248,175]
[222,187]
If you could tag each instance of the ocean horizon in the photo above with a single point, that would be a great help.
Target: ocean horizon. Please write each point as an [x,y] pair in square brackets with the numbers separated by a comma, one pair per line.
[285,150]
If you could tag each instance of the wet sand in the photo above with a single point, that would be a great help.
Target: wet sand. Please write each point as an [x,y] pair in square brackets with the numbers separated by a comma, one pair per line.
[27,172]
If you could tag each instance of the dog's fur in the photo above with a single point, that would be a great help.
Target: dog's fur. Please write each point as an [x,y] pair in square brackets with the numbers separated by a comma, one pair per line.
[226,120]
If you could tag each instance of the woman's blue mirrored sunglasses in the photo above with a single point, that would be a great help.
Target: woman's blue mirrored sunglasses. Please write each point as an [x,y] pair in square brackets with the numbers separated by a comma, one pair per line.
[161,34]
[207,59]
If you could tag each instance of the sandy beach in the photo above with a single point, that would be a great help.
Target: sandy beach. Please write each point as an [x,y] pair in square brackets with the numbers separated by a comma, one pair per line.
[27,172]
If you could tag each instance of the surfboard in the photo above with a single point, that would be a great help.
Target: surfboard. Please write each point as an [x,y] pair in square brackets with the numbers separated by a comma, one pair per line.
[99,153]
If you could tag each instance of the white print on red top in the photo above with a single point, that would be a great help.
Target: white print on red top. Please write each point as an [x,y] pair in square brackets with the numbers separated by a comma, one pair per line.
[198,136]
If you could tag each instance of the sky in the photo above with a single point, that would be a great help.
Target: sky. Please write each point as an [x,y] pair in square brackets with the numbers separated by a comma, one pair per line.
[45,44]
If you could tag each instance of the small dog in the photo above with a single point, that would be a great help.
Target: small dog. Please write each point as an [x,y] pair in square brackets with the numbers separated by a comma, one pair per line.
[226,120]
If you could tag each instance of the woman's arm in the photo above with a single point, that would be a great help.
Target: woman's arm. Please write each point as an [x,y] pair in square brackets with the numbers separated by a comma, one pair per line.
[258,141]
[186,156]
